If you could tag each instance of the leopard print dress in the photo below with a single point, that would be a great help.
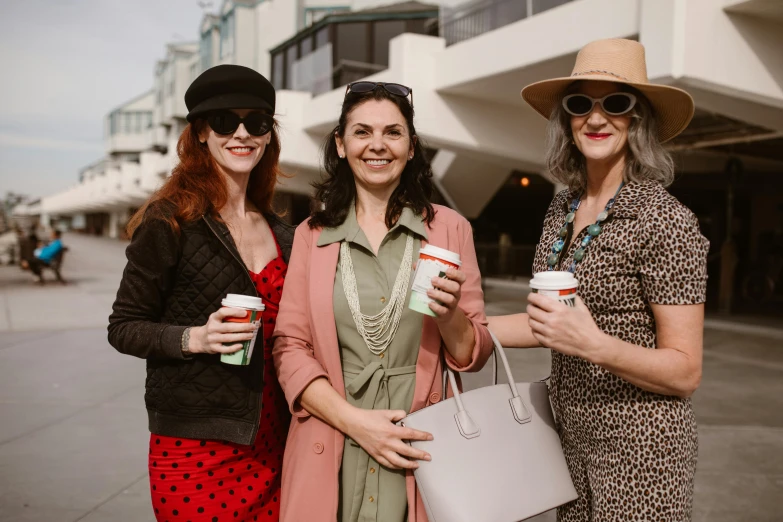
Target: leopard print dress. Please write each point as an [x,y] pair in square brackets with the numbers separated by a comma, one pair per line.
[631,453]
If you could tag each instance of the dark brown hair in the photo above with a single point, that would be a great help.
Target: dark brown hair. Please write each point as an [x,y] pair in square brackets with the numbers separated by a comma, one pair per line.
[337,190]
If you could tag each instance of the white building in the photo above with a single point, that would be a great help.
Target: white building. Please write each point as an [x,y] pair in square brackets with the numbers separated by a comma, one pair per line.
[466,67]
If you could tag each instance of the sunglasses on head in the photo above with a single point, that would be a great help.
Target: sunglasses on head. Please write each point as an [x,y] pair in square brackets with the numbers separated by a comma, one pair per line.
[392,88]
[226,122]
[615,104]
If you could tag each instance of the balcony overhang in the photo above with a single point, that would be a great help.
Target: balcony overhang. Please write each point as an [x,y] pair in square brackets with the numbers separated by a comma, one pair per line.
[768,9]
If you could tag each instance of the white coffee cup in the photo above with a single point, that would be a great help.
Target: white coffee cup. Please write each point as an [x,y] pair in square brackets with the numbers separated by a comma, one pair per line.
[557,285]
[433,262]
[254,308]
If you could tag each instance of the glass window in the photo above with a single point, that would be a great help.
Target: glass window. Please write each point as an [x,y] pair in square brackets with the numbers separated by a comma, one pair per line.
[385,31]
[544,5]
[278,61]
[508,13]
[126,122]
[322,37]
[205,50]
[227,25]
[352,42]
[418,26]
[306,46]
[137,126]
[290,58]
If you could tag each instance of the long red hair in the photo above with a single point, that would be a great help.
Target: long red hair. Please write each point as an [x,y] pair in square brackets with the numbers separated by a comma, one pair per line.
[196,187]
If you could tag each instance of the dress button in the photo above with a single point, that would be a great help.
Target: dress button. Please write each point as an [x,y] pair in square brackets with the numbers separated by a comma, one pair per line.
[382,355]
[371,499]
[434,397]
[383,299]
[318,448]
[372,470]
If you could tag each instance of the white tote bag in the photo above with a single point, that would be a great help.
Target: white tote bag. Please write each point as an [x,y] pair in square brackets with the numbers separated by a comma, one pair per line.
[496,456]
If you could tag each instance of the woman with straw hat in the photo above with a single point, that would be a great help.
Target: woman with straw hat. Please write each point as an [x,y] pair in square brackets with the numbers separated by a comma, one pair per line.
[627,357]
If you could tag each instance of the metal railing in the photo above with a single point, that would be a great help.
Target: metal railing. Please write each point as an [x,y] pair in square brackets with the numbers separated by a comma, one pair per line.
[472,19]
[505,261]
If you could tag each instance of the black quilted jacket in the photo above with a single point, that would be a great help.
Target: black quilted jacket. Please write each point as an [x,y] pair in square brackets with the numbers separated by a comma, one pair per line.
[173,281]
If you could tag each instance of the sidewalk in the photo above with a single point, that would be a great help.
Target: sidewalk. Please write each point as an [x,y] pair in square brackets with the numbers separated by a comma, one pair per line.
[93,269]
[73,435]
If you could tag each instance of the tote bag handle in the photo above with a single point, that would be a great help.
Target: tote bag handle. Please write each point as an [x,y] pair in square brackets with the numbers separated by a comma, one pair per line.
[467,427]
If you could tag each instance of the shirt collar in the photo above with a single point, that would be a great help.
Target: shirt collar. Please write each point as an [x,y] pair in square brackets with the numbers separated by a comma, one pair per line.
[630,200]
[349,230]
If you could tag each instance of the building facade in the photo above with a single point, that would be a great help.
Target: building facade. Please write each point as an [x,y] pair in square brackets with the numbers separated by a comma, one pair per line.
[466,63]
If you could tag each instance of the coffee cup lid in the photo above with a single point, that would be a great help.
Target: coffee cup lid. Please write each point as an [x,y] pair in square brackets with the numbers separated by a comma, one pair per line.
[554,280]
[243,301]
[441,253]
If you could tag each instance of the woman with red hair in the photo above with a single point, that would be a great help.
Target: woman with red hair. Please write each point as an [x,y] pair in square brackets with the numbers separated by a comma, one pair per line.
[218,429]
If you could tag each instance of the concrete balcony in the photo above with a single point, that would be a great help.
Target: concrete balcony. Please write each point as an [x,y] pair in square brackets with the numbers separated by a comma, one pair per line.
[128,142]
[467,95]
[158,136]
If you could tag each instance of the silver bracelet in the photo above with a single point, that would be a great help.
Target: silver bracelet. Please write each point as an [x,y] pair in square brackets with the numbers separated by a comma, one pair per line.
[186,343]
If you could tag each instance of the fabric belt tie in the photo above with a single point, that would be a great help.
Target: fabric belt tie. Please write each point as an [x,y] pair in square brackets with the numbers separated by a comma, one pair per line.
[375,378]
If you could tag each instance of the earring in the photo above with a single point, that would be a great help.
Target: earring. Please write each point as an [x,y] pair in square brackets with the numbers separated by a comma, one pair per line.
[342,156]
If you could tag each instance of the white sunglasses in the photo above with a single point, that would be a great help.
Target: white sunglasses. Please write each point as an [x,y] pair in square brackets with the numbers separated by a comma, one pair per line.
[615,104]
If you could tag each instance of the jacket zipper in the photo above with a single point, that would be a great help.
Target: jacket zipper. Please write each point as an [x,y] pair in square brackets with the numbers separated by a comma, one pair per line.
[256,426]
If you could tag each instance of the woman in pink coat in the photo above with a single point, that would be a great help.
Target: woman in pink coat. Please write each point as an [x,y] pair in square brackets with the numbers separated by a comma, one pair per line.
[350,355]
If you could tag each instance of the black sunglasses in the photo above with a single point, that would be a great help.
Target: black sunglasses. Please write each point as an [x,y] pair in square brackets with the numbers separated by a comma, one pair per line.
[392,88]
[227,122]
[615,104]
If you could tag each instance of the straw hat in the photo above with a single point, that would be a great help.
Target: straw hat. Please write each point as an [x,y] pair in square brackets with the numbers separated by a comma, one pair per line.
[618,61]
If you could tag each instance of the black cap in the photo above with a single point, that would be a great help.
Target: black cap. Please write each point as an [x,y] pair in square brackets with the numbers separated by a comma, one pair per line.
[229,87]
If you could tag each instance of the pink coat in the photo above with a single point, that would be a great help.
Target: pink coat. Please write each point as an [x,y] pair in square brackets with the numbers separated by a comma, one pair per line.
[306,348]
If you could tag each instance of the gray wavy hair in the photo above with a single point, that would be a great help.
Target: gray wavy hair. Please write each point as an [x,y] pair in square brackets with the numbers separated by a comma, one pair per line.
[646,158]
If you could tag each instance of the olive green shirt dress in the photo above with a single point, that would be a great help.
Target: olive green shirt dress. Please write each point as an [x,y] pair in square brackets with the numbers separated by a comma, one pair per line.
[370,492]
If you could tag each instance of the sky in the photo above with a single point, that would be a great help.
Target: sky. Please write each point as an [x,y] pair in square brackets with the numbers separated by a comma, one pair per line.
[64,64]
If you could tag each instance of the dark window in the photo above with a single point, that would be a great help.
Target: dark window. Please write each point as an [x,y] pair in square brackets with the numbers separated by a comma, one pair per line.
[509,12]
[290,58]
[385,31]
[322,37]
[352,42]
[418,26]
[306,46]
[278,62]
[540,6]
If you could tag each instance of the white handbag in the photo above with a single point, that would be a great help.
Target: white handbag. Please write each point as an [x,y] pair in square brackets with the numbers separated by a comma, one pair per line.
[496,456]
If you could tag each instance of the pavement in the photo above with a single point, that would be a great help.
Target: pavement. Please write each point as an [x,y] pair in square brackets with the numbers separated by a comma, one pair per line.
[73,434]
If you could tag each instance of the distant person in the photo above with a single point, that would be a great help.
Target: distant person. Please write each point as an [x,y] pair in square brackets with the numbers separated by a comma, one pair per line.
[32,237]
[43,255]
[628,356]
[351,356]
[218,430]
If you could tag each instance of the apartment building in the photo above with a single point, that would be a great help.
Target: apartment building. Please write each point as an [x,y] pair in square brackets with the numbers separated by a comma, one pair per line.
[466,62]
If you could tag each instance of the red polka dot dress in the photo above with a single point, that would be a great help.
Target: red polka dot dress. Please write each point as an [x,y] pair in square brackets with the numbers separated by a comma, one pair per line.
[213,480]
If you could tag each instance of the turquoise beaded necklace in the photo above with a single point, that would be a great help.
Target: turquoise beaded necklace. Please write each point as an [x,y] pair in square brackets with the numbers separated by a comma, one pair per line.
[592,232]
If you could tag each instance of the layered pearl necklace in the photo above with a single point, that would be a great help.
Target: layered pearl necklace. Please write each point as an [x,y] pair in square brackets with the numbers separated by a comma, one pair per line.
[377,330]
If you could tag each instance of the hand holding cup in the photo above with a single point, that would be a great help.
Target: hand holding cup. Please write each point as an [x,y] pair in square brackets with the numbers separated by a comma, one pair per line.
[446,293]
[562,322]
[220,336]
